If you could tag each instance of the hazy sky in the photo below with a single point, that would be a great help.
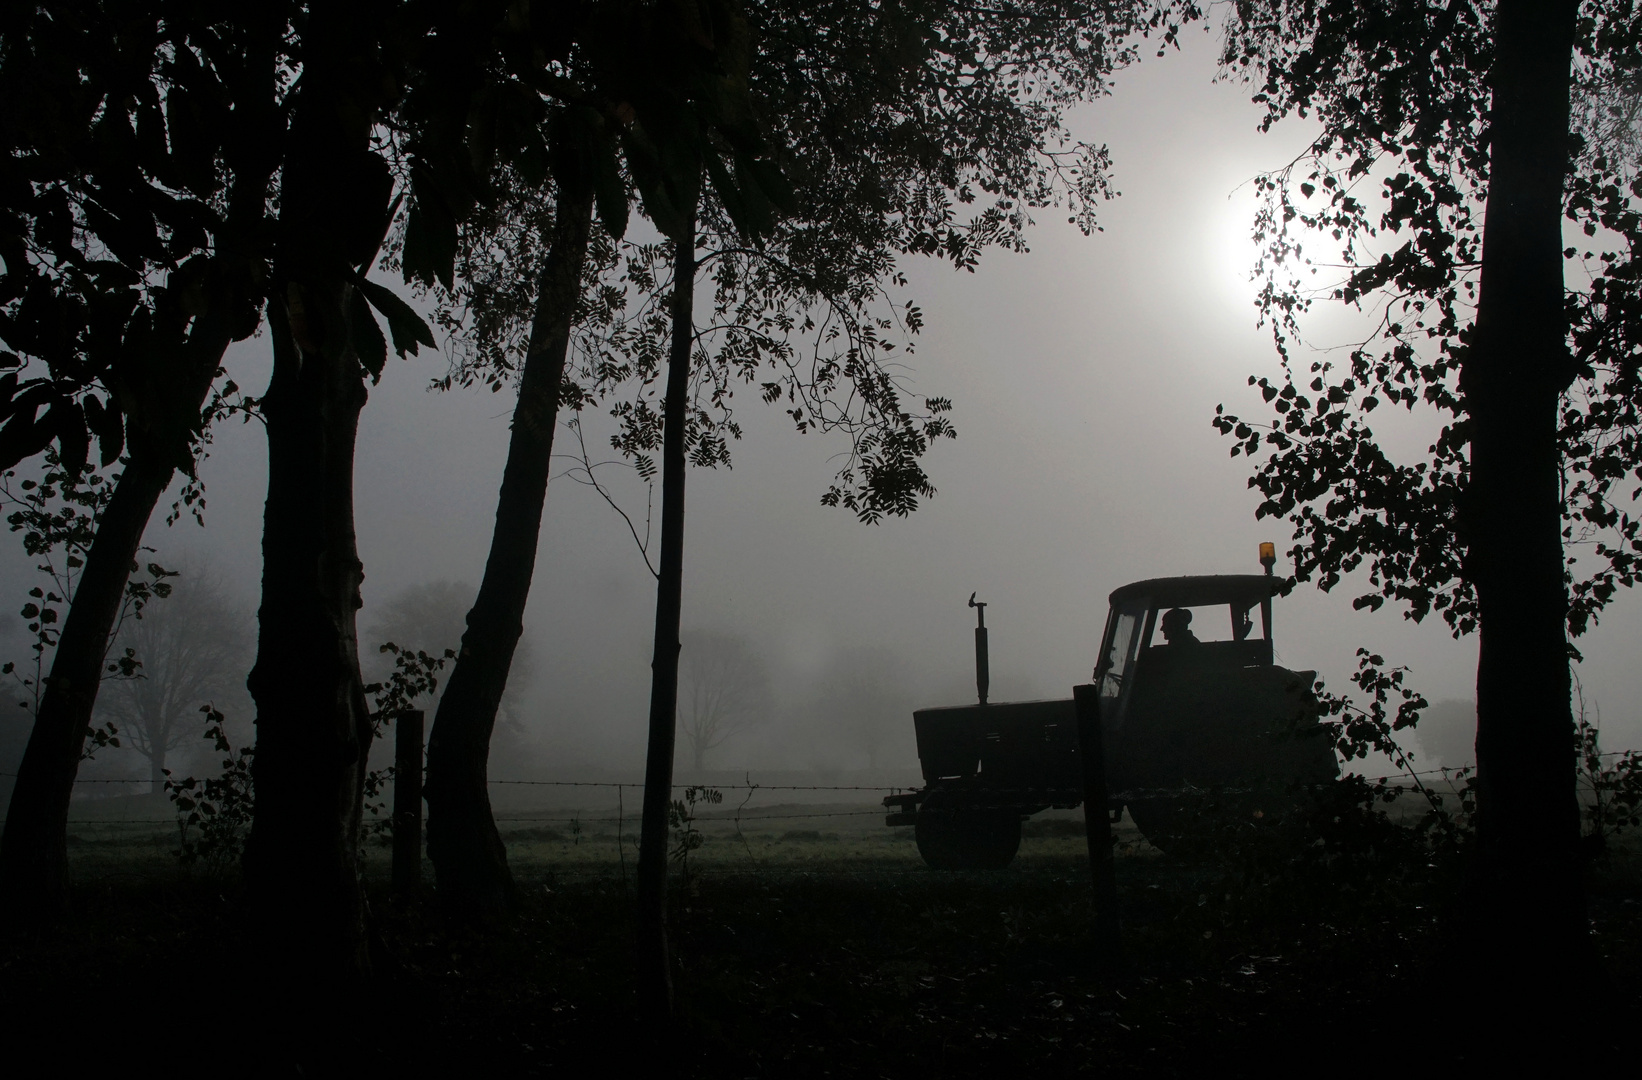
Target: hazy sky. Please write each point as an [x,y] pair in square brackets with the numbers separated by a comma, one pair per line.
[1085,374]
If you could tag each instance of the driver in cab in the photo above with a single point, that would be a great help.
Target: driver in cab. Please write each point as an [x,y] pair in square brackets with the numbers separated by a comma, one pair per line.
[1177,628]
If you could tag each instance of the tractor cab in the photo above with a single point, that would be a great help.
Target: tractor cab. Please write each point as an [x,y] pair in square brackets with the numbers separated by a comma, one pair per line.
[1166,626]
[1192,698]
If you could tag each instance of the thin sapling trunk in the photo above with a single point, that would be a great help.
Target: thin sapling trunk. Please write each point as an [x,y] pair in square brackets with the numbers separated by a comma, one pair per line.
[654,963]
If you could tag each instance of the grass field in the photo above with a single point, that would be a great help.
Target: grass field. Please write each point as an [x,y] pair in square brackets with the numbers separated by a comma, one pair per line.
[810,941]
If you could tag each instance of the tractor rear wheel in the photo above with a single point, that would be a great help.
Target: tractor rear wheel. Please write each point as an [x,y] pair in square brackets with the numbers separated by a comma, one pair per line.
[953,836]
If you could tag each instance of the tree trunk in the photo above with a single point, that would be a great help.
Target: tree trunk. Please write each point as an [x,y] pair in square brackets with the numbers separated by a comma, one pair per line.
[654,964]
[156,769]
[1526,898]
[469,859]
[313,724]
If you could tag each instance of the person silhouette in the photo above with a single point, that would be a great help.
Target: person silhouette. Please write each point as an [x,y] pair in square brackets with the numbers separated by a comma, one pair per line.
[1177,627]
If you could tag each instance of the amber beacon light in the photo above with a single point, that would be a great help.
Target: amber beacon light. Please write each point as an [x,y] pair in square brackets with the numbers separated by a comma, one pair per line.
[1268,555]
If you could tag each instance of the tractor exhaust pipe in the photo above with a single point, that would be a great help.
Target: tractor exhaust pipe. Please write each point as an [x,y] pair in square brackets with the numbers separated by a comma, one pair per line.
[983,674]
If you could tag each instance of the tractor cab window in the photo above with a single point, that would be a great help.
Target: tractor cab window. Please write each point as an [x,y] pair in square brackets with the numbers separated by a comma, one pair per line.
[1204,636]
[1122,637]
[1201,623]
[1243,620]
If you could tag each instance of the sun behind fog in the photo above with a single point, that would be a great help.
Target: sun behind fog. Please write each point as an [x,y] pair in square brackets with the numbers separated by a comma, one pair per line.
[1229,250]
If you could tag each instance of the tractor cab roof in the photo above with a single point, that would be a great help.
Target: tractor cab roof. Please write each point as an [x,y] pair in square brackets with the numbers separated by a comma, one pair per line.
[1242,590]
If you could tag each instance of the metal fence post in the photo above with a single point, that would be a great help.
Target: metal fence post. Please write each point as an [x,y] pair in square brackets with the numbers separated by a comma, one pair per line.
[1097,817]
[407,803]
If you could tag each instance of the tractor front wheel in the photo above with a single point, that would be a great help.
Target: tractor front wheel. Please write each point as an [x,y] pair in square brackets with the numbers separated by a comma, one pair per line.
[955,836]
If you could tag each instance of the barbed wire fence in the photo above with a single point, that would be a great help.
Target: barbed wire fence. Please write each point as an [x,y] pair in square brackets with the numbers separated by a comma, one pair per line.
[888,788]
[753,815]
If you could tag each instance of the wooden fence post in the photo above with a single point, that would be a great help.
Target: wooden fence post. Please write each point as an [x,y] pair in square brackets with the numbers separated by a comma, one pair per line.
[407,803]
[1097,818]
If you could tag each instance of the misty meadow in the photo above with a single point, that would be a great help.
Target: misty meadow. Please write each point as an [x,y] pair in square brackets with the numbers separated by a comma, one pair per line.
[494,488]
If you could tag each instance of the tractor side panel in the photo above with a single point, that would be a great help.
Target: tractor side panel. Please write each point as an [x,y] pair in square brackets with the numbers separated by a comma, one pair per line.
[1203,725]
[949,747]
[1027,747]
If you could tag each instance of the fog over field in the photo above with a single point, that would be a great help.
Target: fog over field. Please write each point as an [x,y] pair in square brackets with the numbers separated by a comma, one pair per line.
[1084,376]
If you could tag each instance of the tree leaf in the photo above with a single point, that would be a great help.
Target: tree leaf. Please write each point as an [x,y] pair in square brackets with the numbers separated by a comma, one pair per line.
[771,180]
[584,156]
[430,234]
[609,190]
[109,427]
[368,343]
[750,213]
[404,324]
[645,161]
[68,422]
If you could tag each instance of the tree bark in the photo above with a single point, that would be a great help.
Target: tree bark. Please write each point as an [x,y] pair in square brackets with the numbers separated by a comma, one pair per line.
[469,858]
[1526,896]
[313,724]
[655,976]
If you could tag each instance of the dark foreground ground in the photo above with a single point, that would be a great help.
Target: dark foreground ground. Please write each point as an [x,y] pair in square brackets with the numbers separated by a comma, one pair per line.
[809,958]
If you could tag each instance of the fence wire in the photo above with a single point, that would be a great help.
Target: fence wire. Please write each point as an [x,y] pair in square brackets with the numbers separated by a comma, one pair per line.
[1445,772]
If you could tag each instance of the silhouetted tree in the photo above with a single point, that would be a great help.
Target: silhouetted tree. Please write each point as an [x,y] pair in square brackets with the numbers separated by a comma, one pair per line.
[314,726]
[194,649]
[723,690]
[139,145]
[1462,112]
[893,132]
[655,982]
[467,852]
[863,699]
[632,75]
[866,104]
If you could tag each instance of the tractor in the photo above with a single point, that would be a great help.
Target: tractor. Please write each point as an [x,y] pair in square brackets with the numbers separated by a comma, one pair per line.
[1181,718]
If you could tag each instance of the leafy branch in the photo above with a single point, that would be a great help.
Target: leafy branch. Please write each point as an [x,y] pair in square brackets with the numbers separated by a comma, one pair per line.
[58,515]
